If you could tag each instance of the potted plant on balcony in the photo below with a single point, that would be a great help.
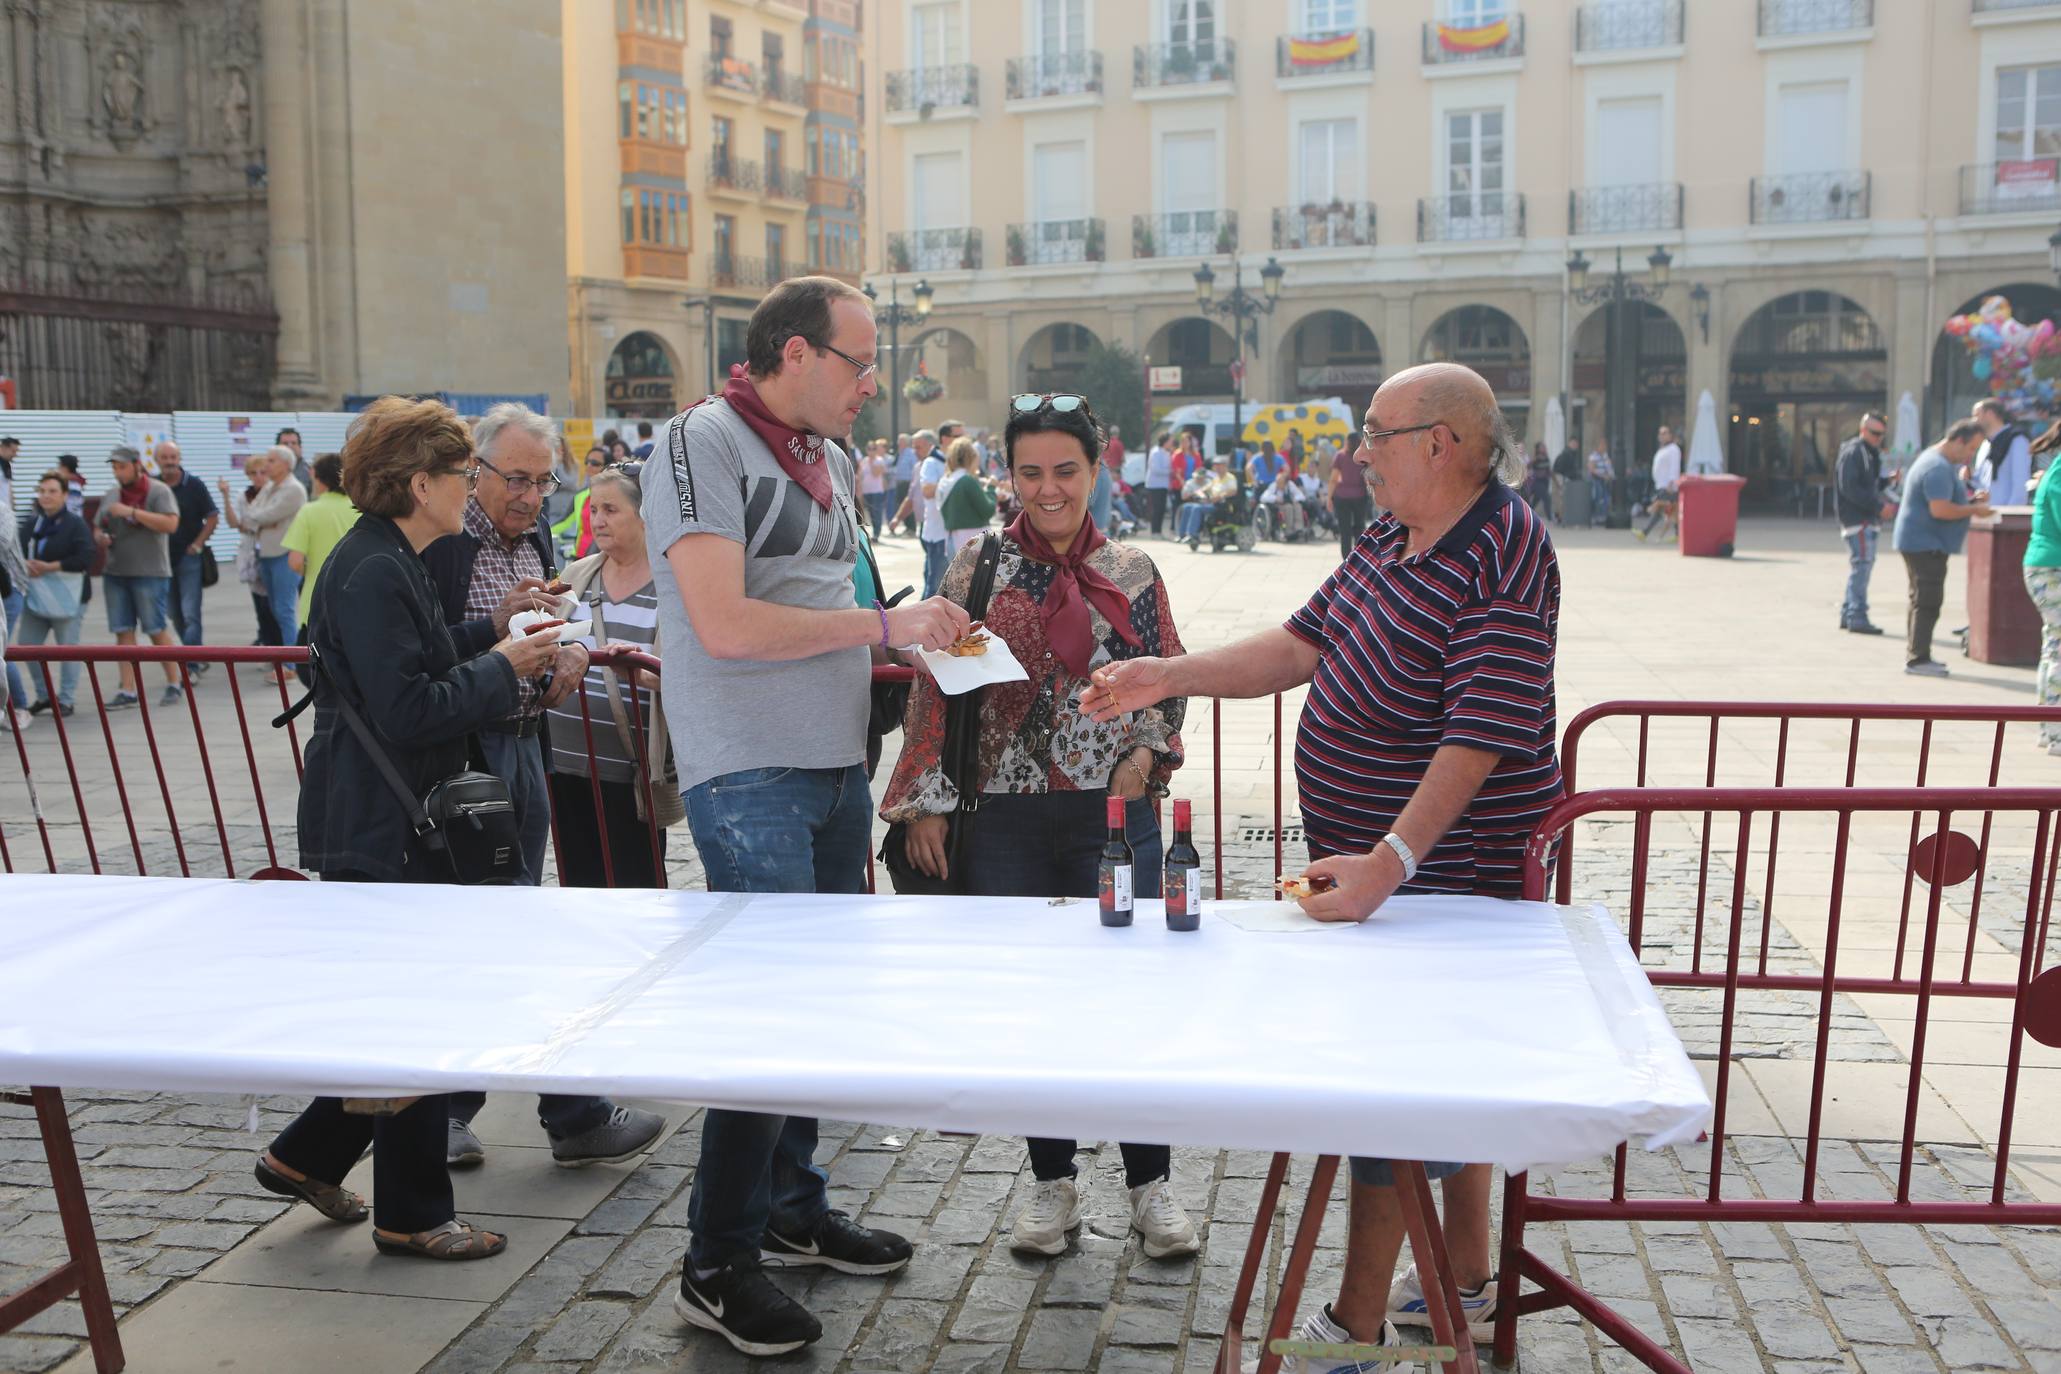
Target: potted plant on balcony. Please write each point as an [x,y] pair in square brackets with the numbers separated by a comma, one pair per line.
[969,253]
[1141,240]
[1220,67]
[1227,238]
[1018,253]
[1096,249]
[898,254]
[1180,62]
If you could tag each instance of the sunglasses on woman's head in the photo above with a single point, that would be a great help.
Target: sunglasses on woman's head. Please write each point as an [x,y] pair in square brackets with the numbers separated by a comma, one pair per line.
[1060,401]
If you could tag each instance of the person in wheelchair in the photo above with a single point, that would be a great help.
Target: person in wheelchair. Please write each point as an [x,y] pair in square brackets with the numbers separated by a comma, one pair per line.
[1282,511]
[1201,497]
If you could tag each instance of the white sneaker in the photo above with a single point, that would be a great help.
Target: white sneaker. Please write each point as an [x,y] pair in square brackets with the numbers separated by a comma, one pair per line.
[22,719]
[1159,1219]
[1319,1328]
[1041,1227]
[1406,1306]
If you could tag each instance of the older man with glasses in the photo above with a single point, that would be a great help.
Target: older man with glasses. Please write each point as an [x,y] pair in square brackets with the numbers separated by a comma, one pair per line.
[494,566]
[1425,755]
[1859,487]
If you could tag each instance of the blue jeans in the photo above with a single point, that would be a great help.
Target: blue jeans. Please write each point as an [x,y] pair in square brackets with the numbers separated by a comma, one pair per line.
[186,597]
[1599,501]
[769,830]
[876,506]
[1193,516]
[937,555]
[1860,562]
[283,588]
[34,629]
[17,686]
[519,762]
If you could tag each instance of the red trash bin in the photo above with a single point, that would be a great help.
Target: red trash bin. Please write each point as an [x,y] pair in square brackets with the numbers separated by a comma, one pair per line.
[1710,514]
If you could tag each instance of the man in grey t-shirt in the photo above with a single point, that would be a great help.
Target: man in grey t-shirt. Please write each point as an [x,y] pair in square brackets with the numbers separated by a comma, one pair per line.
[765,688]
[134,524]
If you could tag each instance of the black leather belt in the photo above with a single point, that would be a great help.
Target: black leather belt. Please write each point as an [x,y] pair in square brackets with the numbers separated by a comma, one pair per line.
[521,729]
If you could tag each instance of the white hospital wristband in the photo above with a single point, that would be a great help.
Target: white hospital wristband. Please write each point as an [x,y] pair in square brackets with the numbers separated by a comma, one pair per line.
[1402,851]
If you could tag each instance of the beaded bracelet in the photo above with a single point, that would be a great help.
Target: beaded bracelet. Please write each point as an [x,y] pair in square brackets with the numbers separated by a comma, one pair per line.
[883,626]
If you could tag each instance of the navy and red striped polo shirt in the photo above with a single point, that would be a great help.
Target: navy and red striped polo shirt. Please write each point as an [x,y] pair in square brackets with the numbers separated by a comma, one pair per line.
[1453,646]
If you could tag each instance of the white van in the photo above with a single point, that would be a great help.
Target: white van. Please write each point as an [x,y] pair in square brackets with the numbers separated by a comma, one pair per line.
[1212,423]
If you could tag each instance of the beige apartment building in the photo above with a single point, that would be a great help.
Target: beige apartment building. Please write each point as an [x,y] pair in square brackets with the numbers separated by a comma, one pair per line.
[1800,192]
[711,152]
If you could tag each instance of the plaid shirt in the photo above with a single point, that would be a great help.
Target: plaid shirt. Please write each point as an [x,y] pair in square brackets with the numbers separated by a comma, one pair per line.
[496,569]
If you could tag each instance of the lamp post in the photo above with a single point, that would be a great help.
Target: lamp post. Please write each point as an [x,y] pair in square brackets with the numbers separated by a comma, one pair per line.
[1243,309]
[894,315]
[1621,347]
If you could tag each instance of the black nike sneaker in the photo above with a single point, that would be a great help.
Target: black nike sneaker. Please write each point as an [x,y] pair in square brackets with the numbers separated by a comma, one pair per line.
[839,1243]
[740,1304]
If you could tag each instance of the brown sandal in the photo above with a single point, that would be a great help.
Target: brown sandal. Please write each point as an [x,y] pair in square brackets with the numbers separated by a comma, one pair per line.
[454,1240]
[338,1204]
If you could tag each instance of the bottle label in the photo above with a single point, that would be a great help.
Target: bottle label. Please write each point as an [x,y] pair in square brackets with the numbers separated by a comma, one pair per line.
[1116,888]
[1194,891]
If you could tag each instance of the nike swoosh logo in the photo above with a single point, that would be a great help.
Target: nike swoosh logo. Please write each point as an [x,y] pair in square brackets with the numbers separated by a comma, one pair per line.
[715,1309]
[799,1249]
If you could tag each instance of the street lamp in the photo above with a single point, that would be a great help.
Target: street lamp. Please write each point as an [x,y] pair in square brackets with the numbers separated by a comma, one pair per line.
[1243,309]
[894,315]
[1621,363]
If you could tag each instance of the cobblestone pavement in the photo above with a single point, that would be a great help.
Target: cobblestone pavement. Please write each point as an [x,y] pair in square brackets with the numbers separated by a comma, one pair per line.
[587,1288]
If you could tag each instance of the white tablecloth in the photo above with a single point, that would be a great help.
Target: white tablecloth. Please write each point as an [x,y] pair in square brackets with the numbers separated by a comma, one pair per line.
[1446,1028]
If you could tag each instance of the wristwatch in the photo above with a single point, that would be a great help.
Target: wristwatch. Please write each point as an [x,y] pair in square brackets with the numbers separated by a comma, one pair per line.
[1402,851]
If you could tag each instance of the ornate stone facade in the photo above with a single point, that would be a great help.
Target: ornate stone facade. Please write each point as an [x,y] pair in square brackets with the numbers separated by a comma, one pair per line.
[133,205]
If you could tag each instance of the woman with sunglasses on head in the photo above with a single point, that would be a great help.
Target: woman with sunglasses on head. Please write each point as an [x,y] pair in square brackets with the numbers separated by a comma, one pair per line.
[1066,601]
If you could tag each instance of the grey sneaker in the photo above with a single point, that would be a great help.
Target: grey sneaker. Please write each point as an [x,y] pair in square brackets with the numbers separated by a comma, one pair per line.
[170,697]
[121,701]
[462,1149]
[1926,667]
[627,1133]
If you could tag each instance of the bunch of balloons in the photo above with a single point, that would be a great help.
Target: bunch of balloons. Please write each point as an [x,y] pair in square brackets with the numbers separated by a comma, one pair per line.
[2019,363]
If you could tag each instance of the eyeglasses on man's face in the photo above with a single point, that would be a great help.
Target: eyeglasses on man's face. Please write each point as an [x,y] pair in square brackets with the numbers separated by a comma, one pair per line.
[865,369]
[518,485]
[1371,435]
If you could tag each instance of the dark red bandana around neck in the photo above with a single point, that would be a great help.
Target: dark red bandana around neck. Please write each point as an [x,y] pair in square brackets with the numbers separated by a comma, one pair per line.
[138,494]
[799,452]
[1069,629]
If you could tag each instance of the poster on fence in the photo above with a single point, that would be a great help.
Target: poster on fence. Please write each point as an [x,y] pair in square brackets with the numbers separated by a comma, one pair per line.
[145,432]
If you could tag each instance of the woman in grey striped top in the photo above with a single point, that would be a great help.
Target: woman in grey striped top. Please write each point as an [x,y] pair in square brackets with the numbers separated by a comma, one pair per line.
[614,605]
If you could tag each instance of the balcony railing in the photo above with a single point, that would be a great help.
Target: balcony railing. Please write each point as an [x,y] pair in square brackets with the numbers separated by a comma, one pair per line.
[1184,234]
[2011,188]
[733,174]
[729,269]
[1779,18]
[1810,198]
[1469,217]
[785,87]
[1328,55]
[731,74]
[920,89]
[1627,25]
[1053,74]
[1341,224]
[934,250]
[1183,64]
[1444,43]
[1057,240]
[1625,209]
[788,183]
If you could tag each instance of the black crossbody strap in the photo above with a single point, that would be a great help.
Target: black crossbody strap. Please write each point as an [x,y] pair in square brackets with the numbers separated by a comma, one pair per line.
[425,828]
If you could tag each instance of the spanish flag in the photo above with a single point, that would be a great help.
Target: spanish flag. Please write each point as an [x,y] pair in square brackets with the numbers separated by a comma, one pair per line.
[1322,52]
[1476,39]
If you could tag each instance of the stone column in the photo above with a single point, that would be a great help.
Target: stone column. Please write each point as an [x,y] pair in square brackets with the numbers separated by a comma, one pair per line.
[291,176]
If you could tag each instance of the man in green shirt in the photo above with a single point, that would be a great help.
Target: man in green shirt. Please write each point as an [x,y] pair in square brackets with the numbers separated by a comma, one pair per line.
[318,527]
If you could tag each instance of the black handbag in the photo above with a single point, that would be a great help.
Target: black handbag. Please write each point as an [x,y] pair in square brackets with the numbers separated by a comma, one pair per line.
[959,758]
[210,570]
[468,818]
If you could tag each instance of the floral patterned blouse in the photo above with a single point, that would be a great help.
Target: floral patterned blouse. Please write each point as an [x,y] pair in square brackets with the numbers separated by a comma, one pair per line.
[1033,737]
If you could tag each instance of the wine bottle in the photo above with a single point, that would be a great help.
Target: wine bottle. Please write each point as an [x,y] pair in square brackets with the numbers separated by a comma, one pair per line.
[1118,866]
[1183,873]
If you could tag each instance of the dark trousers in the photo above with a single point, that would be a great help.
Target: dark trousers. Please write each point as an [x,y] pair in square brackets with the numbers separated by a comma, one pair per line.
[1354,513]
[411,1187]
[1155,507]
[1928,593]
[579,837]
[901,495]
[268,624]
[1050,845]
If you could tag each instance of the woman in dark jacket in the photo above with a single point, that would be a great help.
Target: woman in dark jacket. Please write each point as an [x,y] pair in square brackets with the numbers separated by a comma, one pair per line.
[57,546]
[379,631]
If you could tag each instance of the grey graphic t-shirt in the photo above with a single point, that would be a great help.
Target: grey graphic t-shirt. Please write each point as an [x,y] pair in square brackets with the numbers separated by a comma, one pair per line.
[712,474]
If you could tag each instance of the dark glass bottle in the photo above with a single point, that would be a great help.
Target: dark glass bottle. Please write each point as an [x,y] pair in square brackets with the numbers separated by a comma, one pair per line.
[1115,884]
[1183,873]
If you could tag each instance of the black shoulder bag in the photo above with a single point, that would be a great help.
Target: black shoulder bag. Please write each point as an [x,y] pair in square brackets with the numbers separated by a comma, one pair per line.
[959,758]
[468,818]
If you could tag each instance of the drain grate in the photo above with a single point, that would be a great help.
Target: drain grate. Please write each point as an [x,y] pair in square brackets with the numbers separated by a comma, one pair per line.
[1264,834]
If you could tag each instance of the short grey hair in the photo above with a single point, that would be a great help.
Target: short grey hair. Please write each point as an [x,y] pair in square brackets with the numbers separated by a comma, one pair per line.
[623,477]
[280,453]
[512,415]
[1506,456]
[929,436]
